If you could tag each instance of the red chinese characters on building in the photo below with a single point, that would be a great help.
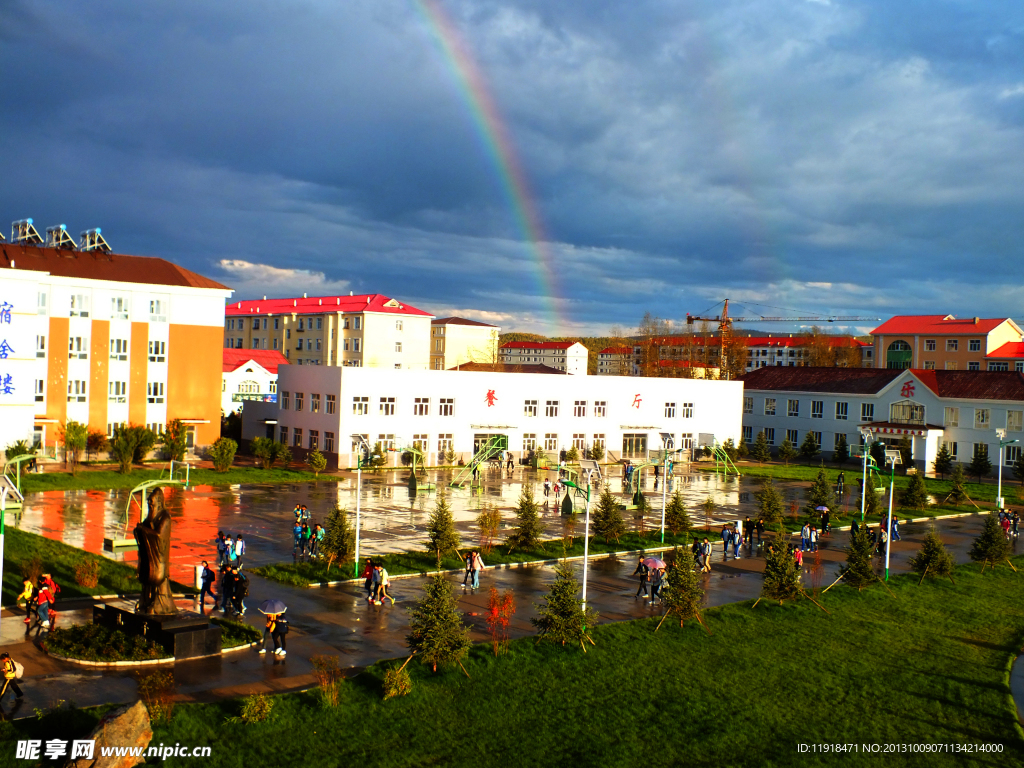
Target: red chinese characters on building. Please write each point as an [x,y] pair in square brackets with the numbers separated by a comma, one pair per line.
[637,400]
[908,389]
[490,398]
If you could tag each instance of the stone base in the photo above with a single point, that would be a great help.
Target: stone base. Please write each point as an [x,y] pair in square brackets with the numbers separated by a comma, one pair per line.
[185,635]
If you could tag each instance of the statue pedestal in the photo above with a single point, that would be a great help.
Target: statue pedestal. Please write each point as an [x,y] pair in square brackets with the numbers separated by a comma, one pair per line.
[185,635]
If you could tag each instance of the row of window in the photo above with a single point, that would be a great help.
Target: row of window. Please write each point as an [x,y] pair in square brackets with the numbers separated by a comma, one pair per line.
[842,409]
[80,306]
[305,324]
[78,349]
[117,391]
[446,406]
[330,404]
[975,365]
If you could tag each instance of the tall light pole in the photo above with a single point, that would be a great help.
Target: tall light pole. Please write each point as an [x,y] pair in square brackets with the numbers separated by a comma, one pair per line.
[668,443]
[892,458]
[588,467]
[362,449]
[1001,434]
[866,436]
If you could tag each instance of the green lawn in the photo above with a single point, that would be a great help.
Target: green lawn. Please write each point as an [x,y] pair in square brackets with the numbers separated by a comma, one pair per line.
[88,480]
[928,667]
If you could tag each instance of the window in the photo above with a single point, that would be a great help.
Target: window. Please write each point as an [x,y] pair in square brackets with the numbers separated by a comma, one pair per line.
[952,449]
[398,325]
[929,345]
[898,355]
[973,366]
[158,310]
[599,440]
[687,411]
[357,323]
[360,406]
[792,407]
[982,418]
[299,345]
[117,391]
[791,435]
[355,345]
[238,344]
[398,346]
[1019,366]
[529,441]
[748,405]
[79,305]
[155,392]
[952,345]
[551,408]
[980,449]
[302,324]
[1015,421]
[419,442]
[929,365]
[634,445]
[670,410]
[998,366]
[817,438]
[256,323]
[319,343]
[40,303]
[1010,455]
[974,345]
[284,435]
[906,412]
[40,346]
[299,397]
[842,410]
[119,349]
[550,442]
[314,439]
[157,351]
[817,409]
[580,408]
[421,406]
[579,441]
[951,417]
[748,434]
[600,408]
[118,308]
[284,400]
[444,442]
[297,437]
[867,411]
[769,406]
[387,406]
[78,348]
[769,435]
[836,437]
[319,324]
[314,403]
[330,403]
[328,442]
[437,345]
[277,323]
[951,365]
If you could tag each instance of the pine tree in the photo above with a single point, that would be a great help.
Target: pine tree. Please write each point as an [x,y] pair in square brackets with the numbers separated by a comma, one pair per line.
[878,453]
[933,559]
[957,493]
[561,619]
[842,452]
[528,525]
[708,507]
[980,465]
[781,576]
[991,546]
[809,448]
[438,634]
[943,463]
[906,449]
[820,493]
[762,452]
[858,571]
[730,449]
[769,501]
[441,534]
[640,513]
[872,499]
[787,451]
[915,494]
[339,541]
[676,518]
[684,594]
[742,451]
[607,520]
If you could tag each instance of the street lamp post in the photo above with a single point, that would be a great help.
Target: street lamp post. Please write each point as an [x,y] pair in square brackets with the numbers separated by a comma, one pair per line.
[866,434]
[892,458]
[362,448]
[668,442]
[1001,434]
[589,467]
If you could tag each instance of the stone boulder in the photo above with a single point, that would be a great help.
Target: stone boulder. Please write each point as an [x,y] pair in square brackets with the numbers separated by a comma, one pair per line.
[126,726]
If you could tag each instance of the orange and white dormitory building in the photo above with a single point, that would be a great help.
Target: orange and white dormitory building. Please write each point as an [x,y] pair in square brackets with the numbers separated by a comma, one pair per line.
[568,356]
[365,331]
[106,339]
[944,342]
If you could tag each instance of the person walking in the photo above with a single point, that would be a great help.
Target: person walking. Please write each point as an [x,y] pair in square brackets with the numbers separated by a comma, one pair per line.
[375,583]
[222,549]
[760,531]
[657,579]
[45,602]
[239,551]
[478,566]
[547,487]
[798,555]
[30,594]
[814,539]
[826,527]
[367,577]
[737,542]
[314,540]
[707,555]
[278,632]
[385,582]
[239,591]
[467,577]
[896,529]
[227,579]
[207,577]
[296,538]
[805,535]
[642,571]
[10,673]
[1015,523]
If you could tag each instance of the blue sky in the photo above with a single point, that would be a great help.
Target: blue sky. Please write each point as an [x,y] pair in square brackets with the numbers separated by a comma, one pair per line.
[833,157]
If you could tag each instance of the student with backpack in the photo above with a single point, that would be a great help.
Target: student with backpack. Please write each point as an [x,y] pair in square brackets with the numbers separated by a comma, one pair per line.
[222,549]
[239,551]
[226,583]
[30,594]
[207,578]
[278,632]
[12,672]
[239,592]
[478,566]
[45,601]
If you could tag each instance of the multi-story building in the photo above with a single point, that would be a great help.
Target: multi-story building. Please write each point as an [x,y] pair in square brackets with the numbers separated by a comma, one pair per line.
[456,340]
[367,331]
[942,342]
[106,339]
[1009,357]
[798,351]
[322,407]
[250,375]
[961,409]
[615,361]
[568,356]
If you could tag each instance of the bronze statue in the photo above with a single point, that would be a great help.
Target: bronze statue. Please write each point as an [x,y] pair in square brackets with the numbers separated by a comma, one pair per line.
[154,538]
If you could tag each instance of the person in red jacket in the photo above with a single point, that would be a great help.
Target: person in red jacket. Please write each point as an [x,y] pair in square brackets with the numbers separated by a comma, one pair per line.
[45,601]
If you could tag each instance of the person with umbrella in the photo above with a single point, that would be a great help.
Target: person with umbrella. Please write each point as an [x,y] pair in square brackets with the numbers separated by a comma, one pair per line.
[642,571]
[277,626]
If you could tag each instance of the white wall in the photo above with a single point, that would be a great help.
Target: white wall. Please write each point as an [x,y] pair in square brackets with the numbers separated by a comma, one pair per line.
[19,288]
[250,371]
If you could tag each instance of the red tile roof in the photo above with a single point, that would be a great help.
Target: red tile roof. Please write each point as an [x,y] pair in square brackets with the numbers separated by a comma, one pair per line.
[508,368]
[459,321]
[616,351]
[974,385]
[538,344]
[936,324]
[268,358]
[1009,349]
[371,302]
[852,381]
[96,265]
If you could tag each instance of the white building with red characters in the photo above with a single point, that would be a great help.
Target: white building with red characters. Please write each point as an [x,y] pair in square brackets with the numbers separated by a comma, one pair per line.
[961,409]
[321,407]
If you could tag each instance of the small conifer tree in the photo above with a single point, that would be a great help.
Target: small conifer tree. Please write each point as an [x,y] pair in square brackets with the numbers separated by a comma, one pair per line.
[529,528]
[441,534]
[607,518]
[943,463]
[809,448]
[958,493]
[842,452]
[933,559]
[769,501]
[572,455]
[684,595]
[640,513]
[787,451]
[742,451]
[915,494]
[708,507]
[317,462]
[676,518]
[762,452]
[562,619]
[781,576]
[991,546]
[820,493]
[872,499]
[437,632]
[980,465]
[339,537]
[858,571]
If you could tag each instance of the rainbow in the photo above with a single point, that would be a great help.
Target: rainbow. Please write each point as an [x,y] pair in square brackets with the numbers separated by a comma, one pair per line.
[497,144]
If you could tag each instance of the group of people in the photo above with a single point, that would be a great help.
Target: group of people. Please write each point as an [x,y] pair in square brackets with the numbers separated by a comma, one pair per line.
[732,536]
[474,564]
[702,554]
[39,597]
[376,582]
[306,535]
[809,538]
[651,578]
[234,588]
[1010,523]
[230,551]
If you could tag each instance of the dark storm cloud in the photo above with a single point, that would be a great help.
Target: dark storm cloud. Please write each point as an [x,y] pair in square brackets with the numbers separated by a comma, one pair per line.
[832,156]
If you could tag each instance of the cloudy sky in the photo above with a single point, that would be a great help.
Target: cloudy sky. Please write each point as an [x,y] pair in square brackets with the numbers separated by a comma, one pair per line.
[828,156]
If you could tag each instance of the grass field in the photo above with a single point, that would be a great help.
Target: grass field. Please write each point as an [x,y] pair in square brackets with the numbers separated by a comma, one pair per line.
[103,479]
[929,666]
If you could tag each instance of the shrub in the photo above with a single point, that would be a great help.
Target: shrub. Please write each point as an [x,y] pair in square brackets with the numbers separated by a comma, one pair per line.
[18,448]
[991,546]
[437,632]
[174,440]
[500,610]
[73,436]
[441,534]
[96,442]
[222,453]
[781,576]
[858,571]
[607,519]
[597,452]
[256,709]
[675,515]
[933,558]
[95,642]
[449,456]
[329,676]
[122,448]
[317,462]
[268,451]
[397,682]
[572,455]
[489,522]
[87,573]
[235,633]
[33,570]
[157,691]
[915,494]
[339,542]
[769,501]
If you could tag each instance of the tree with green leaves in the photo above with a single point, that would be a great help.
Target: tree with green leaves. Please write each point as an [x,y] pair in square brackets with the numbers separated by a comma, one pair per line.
[441,534]
[781,575]
[933,559]
[820,493]
[809,448]
[449,457]
[437,632]
[730,449]
[684,594]
[878,454]
[787,451]
[769,501]
[562,619]
[18,448]
[529,528]
[742,451]
[174,441]
[641,510]
[268,451]
[915,493]
[906,449]
[842,452]
[991,546]
[958,491]
[676,518]
[572,456]
[943,463]
[872,498]
[858,571]
[73,436]
[708,507]
[980,465]
[317,462]
[596,452]
[222,453]
[339,542]
[122,447]
[145,440]
[762,452]
[607,519]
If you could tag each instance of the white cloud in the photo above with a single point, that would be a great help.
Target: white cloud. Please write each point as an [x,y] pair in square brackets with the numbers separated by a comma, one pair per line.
[1014,90]
[253,280]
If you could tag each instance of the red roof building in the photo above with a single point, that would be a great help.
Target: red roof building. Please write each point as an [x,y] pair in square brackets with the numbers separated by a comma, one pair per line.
[270,359]
[314,305]
[568,356]
[942,342]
